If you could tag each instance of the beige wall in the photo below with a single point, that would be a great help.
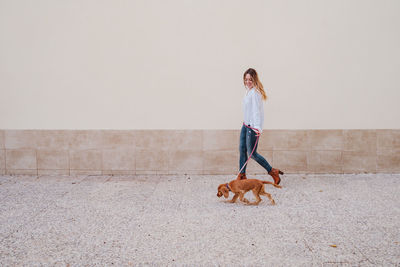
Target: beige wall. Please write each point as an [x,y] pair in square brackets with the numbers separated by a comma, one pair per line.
[178,64]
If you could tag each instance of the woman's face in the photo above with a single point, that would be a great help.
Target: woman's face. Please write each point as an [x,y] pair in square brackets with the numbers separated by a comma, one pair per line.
[248,81]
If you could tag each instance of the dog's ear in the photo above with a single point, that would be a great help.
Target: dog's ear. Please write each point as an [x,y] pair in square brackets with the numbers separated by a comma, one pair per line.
[225,192]
[219,194]
[222,190]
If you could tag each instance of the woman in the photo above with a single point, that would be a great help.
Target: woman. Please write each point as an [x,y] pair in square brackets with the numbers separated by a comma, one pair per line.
[253,125]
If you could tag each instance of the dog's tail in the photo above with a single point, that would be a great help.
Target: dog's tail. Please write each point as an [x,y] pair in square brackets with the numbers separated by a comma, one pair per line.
[267,182]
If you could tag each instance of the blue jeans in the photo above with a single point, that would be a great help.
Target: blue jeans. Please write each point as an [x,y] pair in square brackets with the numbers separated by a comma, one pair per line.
[246,144]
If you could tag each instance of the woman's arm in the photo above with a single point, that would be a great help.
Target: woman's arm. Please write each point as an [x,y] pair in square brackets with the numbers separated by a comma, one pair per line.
[256,106]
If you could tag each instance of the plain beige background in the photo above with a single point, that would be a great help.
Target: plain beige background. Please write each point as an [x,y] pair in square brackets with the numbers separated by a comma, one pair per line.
[178,64]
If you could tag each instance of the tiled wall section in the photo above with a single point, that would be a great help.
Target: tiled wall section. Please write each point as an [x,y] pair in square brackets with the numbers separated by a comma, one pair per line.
[108,152]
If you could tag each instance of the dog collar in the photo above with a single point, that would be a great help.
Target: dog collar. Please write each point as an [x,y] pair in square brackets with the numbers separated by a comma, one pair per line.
[227,186]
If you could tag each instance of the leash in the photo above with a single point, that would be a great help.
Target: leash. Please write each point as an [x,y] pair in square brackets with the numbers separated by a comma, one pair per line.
[253,147]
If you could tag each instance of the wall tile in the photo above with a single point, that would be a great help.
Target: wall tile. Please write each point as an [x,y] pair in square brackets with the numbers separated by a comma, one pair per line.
[53,159]
[388,161]
[53,172]
[388,140]
[326,139]
[284,140]
[119,159]
[20,139]
[52,139]
[85,139]
[117,139]
[151,160]
[271,139]
[220,162]
[2,139]
[185,160]
[21,160]
[215,140]
[186,140]
[298,140]
[359,161]
[21,172]
[325,161]
[2,160]
[153,140]
[360,140]
[290,161]
[90,160]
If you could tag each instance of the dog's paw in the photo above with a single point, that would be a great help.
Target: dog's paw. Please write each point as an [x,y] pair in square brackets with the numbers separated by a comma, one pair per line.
[245,200]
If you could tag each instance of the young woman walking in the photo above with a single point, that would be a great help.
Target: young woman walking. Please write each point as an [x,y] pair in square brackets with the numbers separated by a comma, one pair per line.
[253,124]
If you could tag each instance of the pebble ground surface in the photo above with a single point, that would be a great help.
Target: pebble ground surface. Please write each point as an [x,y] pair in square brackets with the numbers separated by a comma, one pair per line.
[318,220]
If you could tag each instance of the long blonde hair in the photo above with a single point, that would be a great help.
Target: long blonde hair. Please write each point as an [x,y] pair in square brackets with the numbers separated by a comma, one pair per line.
[256,81]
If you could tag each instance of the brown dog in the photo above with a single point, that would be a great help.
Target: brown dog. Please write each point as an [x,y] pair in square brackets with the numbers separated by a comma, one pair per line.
[241,187]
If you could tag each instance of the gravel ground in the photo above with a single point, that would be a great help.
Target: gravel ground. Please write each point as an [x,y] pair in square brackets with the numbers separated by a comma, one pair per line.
[323,220]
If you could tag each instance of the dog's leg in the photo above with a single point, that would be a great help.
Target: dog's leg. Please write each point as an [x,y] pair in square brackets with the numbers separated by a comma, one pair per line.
[263,193]
[243,199]
[235,197]
[269,196]
[256,193]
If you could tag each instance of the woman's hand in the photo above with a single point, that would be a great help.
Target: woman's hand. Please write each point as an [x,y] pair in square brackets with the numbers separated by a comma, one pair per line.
[257,132]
